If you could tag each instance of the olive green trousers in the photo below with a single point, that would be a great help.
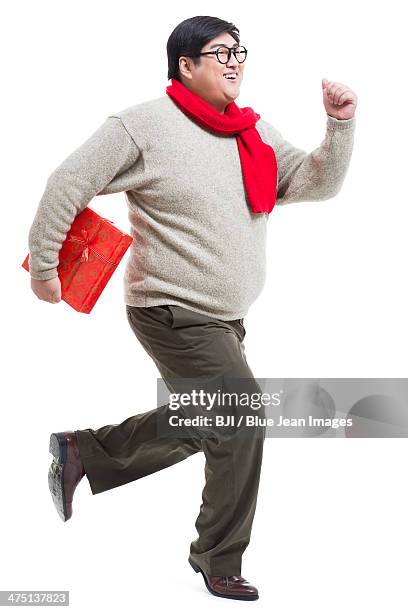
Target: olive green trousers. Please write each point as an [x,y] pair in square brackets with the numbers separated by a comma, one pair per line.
[187,345]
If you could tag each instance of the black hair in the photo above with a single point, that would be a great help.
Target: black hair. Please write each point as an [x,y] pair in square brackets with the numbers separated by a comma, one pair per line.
[190,36]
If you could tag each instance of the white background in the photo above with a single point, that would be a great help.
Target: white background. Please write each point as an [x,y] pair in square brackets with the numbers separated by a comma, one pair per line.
[330,529]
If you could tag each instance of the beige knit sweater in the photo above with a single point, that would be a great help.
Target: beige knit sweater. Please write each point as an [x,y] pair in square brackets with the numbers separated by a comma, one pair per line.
[196,242]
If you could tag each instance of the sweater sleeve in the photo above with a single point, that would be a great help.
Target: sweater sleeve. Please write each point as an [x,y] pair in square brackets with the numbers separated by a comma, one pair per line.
[107,153]
[319,175]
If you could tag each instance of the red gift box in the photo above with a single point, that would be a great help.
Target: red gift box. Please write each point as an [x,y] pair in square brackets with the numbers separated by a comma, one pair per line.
[88,257]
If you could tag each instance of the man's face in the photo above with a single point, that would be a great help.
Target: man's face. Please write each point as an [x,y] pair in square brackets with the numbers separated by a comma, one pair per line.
[208,80]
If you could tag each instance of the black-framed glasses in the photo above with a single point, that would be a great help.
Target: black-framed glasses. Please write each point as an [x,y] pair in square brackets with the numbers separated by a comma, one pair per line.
[224,54]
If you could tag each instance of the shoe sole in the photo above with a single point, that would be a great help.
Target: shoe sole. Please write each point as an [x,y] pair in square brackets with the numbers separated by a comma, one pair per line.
[58,449]
[197,569]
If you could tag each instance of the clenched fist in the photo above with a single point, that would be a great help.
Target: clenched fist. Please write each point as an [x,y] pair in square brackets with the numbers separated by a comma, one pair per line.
[47,290]
[339,100]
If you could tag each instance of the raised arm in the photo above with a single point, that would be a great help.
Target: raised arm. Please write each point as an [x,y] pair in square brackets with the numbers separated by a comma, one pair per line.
[107,153]
[319,175]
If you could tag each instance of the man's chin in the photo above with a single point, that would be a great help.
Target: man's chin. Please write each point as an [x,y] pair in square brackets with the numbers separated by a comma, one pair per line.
[231,96]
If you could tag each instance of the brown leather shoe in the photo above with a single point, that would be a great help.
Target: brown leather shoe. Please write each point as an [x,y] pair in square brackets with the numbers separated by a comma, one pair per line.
[65,471]
[232,587]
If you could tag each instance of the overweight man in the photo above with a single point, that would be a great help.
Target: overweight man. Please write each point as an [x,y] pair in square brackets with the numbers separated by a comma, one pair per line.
[201,176]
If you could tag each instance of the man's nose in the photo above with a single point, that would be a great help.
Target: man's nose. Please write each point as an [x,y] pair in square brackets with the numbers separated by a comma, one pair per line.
[233,61]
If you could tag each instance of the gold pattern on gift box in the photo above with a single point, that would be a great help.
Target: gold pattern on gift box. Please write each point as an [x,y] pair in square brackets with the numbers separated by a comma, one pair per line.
[82,249]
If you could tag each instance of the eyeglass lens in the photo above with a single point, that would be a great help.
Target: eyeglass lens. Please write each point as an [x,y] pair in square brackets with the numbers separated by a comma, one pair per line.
[223,54]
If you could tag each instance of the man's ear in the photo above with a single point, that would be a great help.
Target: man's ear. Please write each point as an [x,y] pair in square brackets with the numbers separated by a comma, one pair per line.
[185,67]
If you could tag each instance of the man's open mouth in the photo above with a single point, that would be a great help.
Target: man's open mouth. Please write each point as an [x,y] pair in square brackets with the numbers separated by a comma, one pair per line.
[231,76]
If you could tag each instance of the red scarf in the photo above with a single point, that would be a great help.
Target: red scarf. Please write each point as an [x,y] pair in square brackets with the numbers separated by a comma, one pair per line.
[258,160]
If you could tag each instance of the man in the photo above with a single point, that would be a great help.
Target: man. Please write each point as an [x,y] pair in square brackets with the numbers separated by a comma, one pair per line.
[201,177]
